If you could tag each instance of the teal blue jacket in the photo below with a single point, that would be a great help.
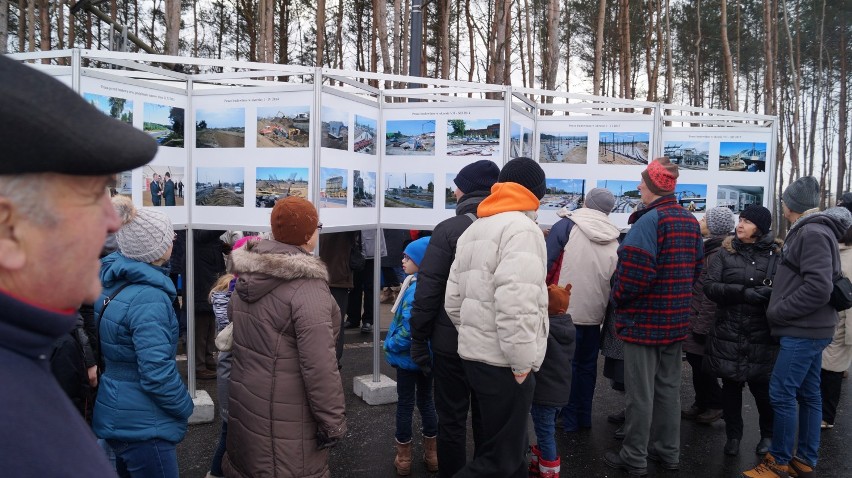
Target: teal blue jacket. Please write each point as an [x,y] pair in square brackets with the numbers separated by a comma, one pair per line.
[398,341]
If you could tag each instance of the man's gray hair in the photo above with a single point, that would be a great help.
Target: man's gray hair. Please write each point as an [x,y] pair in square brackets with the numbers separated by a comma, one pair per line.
[30,193]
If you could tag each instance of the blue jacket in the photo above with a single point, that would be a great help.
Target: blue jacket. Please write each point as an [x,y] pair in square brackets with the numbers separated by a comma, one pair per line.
[141,395]
[398,341]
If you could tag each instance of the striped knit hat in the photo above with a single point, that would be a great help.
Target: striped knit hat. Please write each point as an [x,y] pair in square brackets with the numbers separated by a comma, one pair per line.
[661,176]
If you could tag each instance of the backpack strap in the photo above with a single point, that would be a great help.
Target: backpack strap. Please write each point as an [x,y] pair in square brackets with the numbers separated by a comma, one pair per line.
[471,216]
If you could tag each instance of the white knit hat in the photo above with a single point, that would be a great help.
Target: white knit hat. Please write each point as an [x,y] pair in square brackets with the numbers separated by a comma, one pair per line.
[145,234]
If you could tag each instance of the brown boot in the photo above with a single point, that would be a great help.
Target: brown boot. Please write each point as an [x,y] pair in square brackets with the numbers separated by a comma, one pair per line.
[430,453]
[402,462]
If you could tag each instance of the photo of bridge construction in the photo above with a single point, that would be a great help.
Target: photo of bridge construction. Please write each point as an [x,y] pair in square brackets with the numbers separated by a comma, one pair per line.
[736,198]
[626,194]
[410,190]
[623,148]
[692,196]
[114,107]
[479,137]
[224,128]
[335,129]
[562,147]
[365,135]
[164,123]
[219,187]
[283,126]
[742,156]
[272,184]
[567,193]
[334,185]
[410,137]
[363,188]
[688,154]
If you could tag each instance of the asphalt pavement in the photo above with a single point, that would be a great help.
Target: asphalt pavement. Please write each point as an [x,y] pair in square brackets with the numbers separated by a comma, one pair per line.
[368,449]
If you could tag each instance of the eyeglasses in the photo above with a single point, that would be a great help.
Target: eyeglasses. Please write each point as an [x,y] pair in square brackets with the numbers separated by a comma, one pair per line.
[319,226]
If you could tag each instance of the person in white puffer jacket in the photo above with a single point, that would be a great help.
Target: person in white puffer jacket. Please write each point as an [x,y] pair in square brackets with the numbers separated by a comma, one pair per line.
[584,246]
[497,299]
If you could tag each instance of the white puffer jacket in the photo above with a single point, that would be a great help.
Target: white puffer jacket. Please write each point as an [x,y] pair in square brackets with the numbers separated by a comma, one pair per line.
[838,355]
[496,295]
[590,257]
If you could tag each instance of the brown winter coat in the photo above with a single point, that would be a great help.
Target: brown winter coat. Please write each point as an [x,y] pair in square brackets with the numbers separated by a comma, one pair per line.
[285,385]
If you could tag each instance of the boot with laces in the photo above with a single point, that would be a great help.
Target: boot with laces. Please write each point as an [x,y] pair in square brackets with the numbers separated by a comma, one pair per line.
[768,468]
[802,469]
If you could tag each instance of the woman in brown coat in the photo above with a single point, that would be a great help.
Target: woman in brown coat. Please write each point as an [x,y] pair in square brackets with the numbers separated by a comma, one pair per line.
[286,395]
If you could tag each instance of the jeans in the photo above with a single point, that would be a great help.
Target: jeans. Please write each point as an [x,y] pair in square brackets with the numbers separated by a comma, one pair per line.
[578,413]
[544,423]
[145,459]
[796,377]
[408,384]
[216,463]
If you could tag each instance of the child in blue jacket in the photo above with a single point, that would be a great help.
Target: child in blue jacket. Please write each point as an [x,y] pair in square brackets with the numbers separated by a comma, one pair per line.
[410,380]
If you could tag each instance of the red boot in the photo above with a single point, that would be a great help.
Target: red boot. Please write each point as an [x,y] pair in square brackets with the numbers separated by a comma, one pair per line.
[548,469]
[535,457]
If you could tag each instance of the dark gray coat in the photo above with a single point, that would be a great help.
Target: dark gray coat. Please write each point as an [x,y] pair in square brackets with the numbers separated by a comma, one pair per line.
[553,379]
[703,310]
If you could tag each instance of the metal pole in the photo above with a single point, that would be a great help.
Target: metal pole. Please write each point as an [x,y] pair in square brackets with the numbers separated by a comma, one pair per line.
[189,268]
[377,286]
[416,39]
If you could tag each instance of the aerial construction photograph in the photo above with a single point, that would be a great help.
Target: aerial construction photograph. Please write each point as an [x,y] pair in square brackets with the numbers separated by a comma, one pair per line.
[615,147]
[561,147]
[411,190]
[283,126]
[272,184]
[220,128]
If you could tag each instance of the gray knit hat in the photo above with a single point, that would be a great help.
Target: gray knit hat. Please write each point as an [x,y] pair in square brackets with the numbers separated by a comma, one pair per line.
[600,199]
[145,234]
[720,221]
[802,194]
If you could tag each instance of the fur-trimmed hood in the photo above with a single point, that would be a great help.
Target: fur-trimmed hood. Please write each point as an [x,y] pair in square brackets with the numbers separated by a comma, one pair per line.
[261,266]
[766,241]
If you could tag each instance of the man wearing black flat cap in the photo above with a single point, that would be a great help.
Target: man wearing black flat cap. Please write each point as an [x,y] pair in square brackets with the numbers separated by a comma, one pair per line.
[55,214]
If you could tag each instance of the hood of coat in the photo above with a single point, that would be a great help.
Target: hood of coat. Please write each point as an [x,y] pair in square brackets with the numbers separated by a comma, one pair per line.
[261,266]
[562,329]
[507,197]
[838,219]
[767,241]
[470,202]
[594,224]
[117,269]
[713,243]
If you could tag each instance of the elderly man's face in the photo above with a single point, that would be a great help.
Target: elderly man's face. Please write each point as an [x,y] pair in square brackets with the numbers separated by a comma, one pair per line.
[62,258]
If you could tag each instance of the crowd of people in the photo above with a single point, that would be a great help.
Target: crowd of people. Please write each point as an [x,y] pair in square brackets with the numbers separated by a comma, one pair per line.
[492,316]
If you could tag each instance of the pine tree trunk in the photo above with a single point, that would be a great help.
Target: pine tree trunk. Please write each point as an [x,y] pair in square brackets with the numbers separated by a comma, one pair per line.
[530,56]
[444,29]
[397,49]
[284,32]
[550,55]
[626,57]
[172,27]
[4,26]
[320,32]
[733,102]
[380,15]
[843,117]
[31,24]
[599,41]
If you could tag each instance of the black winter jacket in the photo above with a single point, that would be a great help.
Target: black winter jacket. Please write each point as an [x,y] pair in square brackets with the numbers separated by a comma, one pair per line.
[740,346]
[429,320]
[703,310]
[209,264]
[553,379]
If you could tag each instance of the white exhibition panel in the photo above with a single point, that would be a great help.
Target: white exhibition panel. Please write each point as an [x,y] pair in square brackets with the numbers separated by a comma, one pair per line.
[425,145]
[349,160]
[250,147]
[150,107]
[581,153]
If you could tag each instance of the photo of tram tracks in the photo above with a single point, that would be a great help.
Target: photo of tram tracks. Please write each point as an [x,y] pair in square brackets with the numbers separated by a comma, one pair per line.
[623,148]
[560,147]
[410,190]
[626,194]
[563,193]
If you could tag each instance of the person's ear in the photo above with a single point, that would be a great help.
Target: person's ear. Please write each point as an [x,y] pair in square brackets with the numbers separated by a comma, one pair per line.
[12,255]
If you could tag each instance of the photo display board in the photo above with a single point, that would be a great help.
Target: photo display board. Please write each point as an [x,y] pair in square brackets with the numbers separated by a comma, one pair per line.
[425,145]
[349,160]
[250,148]
[578,154]
[159,111]
[730,163]
[521,133]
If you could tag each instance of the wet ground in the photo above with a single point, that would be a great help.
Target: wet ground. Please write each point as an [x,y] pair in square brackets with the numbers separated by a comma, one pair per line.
[368,449]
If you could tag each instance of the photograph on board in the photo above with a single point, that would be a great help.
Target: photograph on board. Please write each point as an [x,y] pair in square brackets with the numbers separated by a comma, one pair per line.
[335,129]
[363,188]
[736,197]
[272,184]
[567,193]
[450,200]
[742,156]
[365,135]
[334,186]
[283,126]
[688,154]
[220,128]
[164,124]
[560,147]
[410,137]
[615,147]
[410,190]
[626,194]
[163,185]
[692,196]
[219,187]
[469,137]
[122,185]
[118,108]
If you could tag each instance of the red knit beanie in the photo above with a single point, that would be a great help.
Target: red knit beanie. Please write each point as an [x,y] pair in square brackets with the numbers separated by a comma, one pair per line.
[558,299]
[294,220]
[661,176]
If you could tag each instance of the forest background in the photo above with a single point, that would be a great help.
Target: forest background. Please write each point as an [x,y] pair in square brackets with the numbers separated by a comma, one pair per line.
[788,58]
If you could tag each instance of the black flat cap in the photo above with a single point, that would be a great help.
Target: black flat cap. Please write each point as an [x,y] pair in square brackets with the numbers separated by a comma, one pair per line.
[47,127]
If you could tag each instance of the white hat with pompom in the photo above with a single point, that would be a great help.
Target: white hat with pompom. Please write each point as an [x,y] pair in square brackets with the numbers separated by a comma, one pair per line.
[145,234]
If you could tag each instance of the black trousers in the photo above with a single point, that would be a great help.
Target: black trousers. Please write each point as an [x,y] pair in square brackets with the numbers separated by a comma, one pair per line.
[733,406]
[830,383]
[361,294]
[505,405]
[341,296]
[708,393]
[453,399]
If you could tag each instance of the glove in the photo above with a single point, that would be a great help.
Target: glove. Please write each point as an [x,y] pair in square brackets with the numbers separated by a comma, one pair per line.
[421,356]
[324,441]
[700,339]
[757,295]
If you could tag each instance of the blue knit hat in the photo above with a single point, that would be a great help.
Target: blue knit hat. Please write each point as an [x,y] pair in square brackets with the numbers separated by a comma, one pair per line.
[415,250]
[477,176]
